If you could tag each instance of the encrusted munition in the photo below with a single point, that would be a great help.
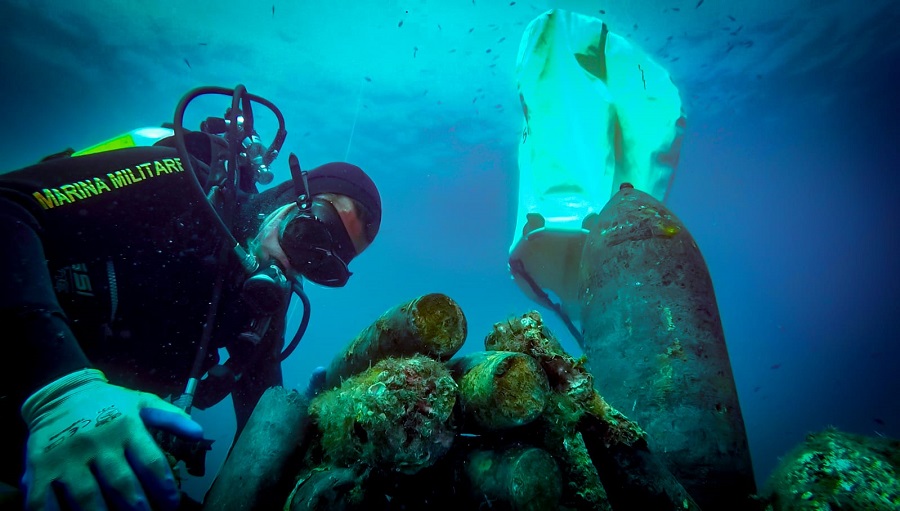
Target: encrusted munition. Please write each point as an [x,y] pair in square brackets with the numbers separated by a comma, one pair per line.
[498,389]
[394,416]
[432,325]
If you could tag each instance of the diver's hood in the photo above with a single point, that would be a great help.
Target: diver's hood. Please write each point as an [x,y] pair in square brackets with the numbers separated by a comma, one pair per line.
[336,177]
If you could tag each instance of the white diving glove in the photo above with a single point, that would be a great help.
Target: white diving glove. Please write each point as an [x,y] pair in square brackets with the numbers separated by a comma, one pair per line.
[89,446]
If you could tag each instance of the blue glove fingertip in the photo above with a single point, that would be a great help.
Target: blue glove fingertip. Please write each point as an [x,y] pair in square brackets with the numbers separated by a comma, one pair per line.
[172,422]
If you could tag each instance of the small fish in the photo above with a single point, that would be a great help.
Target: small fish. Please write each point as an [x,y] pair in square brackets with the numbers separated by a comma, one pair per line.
[601,11]
[415,51]
[635,26]
[512,3]
[776,366]
[698,4]
[367,78]
[674,59]
[439,27]
[471,30]
[400,24]
[731,18]
[474,99]
[487,50]
[501,40]
[273,10]
[756,388]
[188,63]
[737,30]
[676,9]
[452,51]
[878,421]
[202,44]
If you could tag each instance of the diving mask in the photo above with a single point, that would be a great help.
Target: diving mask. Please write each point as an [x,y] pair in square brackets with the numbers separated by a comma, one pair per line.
[317,245]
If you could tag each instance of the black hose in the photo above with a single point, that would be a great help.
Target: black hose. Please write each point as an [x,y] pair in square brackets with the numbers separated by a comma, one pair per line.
[297,287]
[239,93]
[186,157]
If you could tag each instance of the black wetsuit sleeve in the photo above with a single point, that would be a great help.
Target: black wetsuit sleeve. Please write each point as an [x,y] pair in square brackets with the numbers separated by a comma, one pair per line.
[40,345]
[122,204]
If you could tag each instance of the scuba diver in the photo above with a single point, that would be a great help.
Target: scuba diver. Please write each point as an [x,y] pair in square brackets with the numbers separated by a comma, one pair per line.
[127,267]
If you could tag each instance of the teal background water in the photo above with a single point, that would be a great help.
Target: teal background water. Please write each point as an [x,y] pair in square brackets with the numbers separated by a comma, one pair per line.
[788,176]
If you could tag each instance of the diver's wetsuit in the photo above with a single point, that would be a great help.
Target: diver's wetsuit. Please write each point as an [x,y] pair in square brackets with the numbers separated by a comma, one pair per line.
[109,261]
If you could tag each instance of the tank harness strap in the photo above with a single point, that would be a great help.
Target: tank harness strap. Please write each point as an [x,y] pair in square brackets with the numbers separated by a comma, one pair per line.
[518,268]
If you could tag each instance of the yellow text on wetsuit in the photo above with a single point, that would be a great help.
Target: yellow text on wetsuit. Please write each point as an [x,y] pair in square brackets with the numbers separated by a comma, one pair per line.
[73,192]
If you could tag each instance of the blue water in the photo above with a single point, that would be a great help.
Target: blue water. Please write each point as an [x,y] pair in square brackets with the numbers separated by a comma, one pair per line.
[788,177]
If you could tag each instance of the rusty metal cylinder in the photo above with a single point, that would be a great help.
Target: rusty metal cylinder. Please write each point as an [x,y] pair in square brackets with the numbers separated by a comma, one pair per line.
[514,479]
[499,389]
[655,344]
[432,325]
[394,416]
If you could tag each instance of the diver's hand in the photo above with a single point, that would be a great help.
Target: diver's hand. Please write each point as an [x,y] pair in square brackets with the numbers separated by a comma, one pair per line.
[316,382]
[88,446]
